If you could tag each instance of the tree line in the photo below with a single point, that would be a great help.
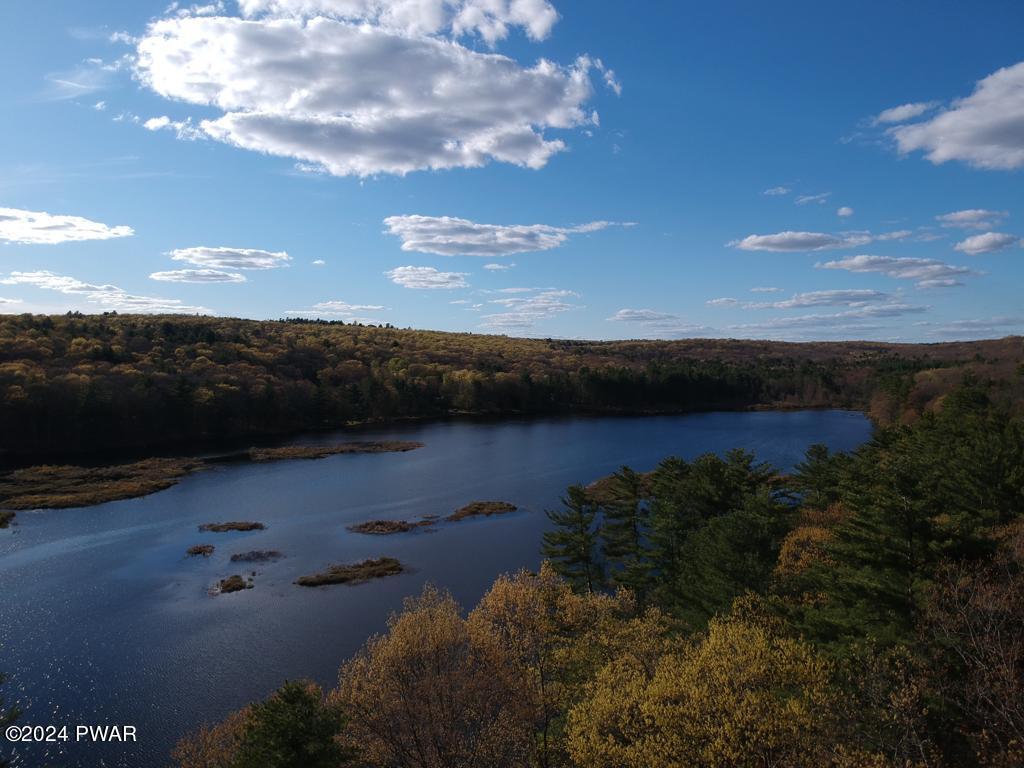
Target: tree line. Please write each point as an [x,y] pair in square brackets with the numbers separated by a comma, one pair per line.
[865,611]
[87,383]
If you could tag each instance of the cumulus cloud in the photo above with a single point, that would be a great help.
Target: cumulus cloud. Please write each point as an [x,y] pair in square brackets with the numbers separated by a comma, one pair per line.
[927,273]
[498,267]
[776,191]
[197,276]
[904,112]
[318,262]
[109,297]
[845,211]
[490,19]
[5,302]
[990,242]
[360,87]
[522,313]
[724,301]
[972,218]
[231,258]
[984,130]
[799,241]
[427,278]
[449,236]
[40,228]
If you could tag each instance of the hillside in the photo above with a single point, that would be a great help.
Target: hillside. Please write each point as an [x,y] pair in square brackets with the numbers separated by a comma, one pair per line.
[76,383]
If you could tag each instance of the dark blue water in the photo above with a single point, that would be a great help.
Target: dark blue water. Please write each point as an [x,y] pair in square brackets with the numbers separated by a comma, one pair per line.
[104,620]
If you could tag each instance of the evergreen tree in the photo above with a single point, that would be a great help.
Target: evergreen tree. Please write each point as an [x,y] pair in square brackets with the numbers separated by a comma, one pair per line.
[572,546]
[624,531]
[294,728]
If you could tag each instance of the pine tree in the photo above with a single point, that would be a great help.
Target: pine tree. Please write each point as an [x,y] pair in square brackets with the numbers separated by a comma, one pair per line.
[572,546]
[624,531]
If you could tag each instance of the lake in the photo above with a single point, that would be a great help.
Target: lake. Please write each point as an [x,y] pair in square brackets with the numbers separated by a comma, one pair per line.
[105,620]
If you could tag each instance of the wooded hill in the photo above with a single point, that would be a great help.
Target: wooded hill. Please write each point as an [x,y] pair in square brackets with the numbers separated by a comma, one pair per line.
[75,383]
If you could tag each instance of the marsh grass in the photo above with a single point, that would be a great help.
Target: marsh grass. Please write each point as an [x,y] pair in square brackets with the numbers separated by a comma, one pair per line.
[353,574]
[233,583]
[50,486]
[481,509]
[256,556]
[386,527]
[232,525]
[200,549]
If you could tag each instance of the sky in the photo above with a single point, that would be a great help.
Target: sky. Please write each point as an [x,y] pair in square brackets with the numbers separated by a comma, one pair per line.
[547,168]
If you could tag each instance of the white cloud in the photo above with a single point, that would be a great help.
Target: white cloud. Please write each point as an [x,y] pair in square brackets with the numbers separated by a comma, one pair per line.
[776,191]
[819,198]
[522,313]
[498,267]
[448,236]
[977,328]
[37,227]
[231,258]
[724,301]
[100,106]
[849,320]
[365,89]
[5,302]
[904,112]
[845,211]
[927,273]
[984,130]
[766,289]
[799,241]
[490,19]
[972,218]
[335,308]
[659,324]
[318,262]
[990,242]
[183,129]
[197,276]
[109,297]
[850,298]
[427,278]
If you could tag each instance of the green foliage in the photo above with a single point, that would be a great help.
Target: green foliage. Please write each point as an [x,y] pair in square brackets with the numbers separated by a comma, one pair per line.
[294,728]
[78,383]
[624,530]
[571,546]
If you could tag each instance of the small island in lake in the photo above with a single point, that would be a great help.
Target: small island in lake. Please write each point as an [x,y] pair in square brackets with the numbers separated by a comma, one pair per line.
[481,509]
[233,525]
[353,574]
[256,556]
[200,549]
[320,451]
[6,517]
[386,527]
[233,583]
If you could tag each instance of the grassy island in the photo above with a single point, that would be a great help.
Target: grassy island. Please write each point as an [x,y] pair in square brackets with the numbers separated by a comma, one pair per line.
[481,509]
[233,525]
[386,527]
[320,451]
[204,550]
[353,574]
[256,556]
[233,583]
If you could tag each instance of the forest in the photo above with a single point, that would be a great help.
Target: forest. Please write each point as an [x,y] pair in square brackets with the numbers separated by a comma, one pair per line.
[85,384]
[866,611]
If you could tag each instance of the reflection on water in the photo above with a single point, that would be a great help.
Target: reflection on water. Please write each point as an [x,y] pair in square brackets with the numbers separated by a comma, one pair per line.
[104,620]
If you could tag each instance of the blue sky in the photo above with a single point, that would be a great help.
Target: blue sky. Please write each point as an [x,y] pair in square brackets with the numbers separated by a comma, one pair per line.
[570,169]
